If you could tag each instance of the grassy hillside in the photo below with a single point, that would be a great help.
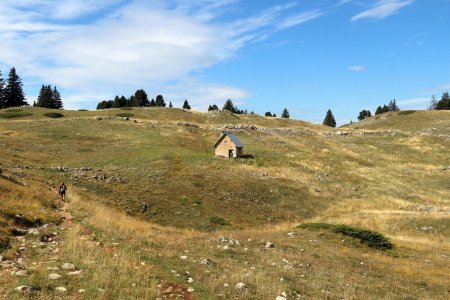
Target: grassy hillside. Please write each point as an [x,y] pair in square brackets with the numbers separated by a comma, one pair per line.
[152,186]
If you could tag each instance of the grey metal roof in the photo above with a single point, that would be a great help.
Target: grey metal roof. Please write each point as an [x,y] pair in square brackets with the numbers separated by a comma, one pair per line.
[232,137]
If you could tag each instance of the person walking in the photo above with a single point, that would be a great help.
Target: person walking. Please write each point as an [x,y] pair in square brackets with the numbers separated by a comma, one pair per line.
[62,192]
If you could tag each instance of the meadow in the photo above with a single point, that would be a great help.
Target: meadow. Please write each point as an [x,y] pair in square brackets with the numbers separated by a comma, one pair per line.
[148,202]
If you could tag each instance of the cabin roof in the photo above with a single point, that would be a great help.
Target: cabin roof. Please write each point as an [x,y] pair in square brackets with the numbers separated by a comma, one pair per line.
[232,137]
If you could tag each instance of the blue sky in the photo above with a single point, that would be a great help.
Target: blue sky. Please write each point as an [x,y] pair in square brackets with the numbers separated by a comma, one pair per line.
[308,56]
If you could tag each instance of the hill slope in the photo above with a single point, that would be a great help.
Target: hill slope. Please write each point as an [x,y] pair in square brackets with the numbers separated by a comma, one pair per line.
[152,185]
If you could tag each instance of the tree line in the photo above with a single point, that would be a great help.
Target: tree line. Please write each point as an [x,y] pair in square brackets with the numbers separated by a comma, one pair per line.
[11,91]
[443,104]
[139,99]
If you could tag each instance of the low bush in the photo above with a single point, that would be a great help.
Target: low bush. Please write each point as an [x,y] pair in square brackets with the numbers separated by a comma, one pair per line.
[4,243]
[125,115]
[54,115]
[126,108]
[406,112]
[219,221]
[370,238]
[14,113]
[83,110]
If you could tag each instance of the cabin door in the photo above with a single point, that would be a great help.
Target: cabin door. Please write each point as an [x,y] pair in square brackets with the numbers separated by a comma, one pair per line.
[230,153]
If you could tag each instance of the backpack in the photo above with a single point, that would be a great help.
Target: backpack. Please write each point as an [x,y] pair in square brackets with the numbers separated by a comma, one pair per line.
[62,188]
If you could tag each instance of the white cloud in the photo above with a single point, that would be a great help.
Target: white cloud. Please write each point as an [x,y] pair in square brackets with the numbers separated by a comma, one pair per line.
[96,48]
[382,9]
[357,68]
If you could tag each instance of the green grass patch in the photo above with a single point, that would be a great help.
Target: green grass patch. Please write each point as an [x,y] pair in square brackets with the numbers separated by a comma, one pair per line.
[406,112]
[371,238]
[54,115]
[218,221]
[125,115]
[14,113]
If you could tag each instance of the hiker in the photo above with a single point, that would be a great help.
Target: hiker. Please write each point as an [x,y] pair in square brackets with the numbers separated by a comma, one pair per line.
[62,191]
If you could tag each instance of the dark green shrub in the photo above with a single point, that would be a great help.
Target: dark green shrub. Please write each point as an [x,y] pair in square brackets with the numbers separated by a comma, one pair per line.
[54,115]
[371,238]
[10,114]
[126,108]
[316,226]
[218,220]
[83,110]
[125,115]
[406,112]
[4,243]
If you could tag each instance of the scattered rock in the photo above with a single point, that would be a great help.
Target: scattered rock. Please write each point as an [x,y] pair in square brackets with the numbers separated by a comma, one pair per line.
[241,288]
[54,276]
[223,239]
[74,273]
[23,289]
[187,124]
[183,257]
[234,242]
[68,266]
[206,261]
[61,290]
[190,289]
[33,231]
[21,273]
[190,280]
[270,245]
[283,296]
[81,291]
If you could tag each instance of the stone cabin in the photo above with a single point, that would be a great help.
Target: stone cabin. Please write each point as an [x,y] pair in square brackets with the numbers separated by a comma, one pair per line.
[229,146]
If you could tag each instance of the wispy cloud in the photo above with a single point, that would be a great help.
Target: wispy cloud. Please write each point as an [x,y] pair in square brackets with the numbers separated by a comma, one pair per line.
[357,68]
[299,19]
[382,9]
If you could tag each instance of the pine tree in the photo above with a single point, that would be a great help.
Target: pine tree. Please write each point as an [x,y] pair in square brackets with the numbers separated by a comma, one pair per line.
[186,105]
[45,97]
[132,101]
[209,108]
[392,106]
[116,102]
[14,90]
[268,114]
[56,99]
[433,103]
[329,119]
[285,114]
[385,108]
[170,104]
[141,98]
[229,106]
[2,92]
[379,110]
[444,103]
[364,114]
[152,103]
[160,101]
